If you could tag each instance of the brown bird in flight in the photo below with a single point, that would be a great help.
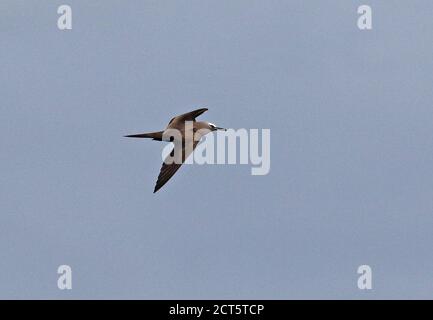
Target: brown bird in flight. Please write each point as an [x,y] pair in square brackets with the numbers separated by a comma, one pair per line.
[185,132]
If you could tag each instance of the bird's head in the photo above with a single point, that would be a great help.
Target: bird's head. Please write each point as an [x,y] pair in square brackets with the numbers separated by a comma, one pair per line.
[213,127]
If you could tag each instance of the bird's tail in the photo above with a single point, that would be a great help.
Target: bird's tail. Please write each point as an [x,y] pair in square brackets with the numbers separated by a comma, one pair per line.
[152,135]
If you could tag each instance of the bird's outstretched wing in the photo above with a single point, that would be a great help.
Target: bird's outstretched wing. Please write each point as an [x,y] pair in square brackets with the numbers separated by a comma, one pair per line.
[168,170]
[189,116]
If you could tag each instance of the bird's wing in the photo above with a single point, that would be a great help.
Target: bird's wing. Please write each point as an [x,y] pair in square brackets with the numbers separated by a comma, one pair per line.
[168,170]
[189,116]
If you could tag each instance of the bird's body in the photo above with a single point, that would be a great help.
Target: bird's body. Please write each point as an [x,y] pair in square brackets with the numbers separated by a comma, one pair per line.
[185,133]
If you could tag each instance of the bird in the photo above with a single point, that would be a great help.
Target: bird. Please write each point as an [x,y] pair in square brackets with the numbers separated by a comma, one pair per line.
[184,143]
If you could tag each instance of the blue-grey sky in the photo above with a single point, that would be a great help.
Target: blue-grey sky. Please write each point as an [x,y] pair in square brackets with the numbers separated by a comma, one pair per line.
[351,178]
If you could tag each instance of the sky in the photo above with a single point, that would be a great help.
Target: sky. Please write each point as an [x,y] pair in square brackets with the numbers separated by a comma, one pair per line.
[350,115]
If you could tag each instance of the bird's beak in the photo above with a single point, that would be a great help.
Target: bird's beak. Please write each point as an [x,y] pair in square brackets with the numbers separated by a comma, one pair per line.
[219,128]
